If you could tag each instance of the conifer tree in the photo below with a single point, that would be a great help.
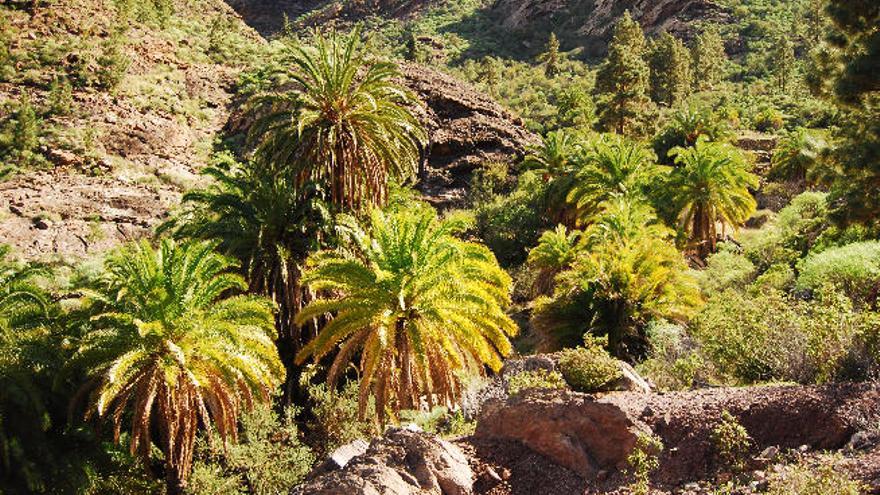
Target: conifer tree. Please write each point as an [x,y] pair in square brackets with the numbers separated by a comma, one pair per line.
[551,57]
[847,74]
[623,81]
[709,59]
[671,76]
[783,62]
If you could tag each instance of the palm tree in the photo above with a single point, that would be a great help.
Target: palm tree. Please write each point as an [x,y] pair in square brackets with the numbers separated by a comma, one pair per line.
[22,301]
[419,304]
[710,185]
[344,123]
[611,165]
[259,219]
[555,251]
[555,160]
[23,414]
[627,273]
[797,156]
[171,347]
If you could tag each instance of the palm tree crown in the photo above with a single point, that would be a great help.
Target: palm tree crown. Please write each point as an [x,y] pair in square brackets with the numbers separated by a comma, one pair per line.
[710,185]
[172,347]
[611,165]
[420,305]
[344,122]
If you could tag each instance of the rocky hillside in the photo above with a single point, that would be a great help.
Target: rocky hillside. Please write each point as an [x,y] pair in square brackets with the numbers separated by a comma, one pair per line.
[148,91]
[588,23]
[560,442]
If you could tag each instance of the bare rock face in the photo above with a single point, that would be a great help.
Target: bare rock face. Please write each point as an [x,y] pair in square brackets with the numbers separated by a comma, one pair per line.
[590,22]
[576,431]
[466,128]
[403,462]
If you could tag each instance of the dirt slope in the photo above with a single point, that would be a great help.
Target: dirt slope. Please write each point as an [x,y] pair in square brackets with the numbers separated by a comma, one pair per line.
[120,157]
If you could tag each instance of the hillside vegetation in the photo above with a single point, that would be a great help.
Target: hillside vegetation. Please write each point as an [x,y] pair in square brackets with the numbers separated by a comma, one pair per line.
[226,254]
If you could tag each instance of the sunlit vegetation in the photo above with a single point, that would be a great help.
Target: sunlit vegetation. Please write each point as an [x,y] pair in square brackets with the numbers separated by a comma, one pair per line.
[708,215]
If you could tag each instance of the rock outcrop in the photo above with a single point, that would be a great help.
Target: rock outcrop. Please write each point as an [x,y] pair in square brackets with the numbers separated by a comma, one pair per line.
[577,431]
[403,462]
[589,23]
[466,128]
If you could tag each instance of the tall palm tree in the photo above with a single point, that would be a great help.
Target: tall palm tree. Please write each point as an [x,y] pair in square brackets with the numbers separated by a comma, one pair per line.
[627,273]
[259,218]
[611,165]
[419,304]
[344,122]
[175,351]
[710,185]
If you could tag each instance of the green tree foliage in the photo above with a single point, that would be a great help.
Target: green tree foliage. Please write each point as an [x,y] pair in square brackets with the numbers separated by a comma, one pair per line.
[173,349]
[259,217]
[627,274]
[685,127]
[551,57]
[848,75]
[710,185]
[344,123]
[556,160]
[419,304]
[24,416]
[555,251]
[783,61]
[709,59]
[671,70]
[611,165]
[622,82]
[798,156]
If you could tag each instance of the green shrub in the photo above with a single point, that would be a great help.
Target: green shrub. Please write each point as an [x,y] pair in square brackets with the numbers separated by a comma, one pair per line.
[440,421]
[803,479]
[768,119]
[854,268]
[750,338]
[732,442]
[779,277]
[673,363]
[334,420]
[794,232]
[725,269]
[268,458]
[60,100]
[535,379]
[644,460]
[589,368]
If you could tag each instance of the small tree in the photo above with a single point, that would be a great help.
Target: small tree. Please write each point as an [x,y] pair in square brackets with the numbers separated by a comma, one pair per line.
[551,57]
[671,76]
[622,81]
[783,62]
[709,59]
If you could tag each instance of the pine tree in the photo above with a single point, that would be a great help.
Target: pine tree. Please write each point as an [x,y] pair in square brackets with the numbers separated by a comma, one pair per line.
[490,73]
[783,62]
[848,76]
[551,57]
[671,76]
[622,81]
[709,59]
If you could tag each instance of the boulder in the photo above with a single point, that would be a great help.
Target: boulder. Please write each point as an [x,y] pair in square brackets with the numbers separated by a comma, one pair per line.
[340,457]
[403,462]
[576,431]
[465,127]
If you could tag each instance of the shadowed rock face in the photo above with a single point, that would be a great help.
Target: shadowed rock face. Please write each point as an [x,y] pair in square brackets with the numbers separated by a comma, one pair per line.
[589,22]
[465,127]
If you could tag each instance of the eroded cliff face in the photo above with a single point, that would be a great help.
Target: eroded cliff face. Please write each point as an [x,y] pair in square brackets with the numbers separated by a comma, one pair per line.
[588,23]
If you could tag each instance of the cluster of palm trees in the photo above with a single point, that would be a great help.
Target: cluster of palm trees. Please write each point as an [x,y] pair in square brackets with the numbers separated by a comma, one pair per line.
[287,256]
[612,265]
[296,253]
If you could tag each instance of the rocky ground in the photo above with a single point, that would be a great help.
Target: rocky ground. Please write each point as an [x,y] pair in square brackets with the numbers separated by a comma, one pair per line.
[561,442]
